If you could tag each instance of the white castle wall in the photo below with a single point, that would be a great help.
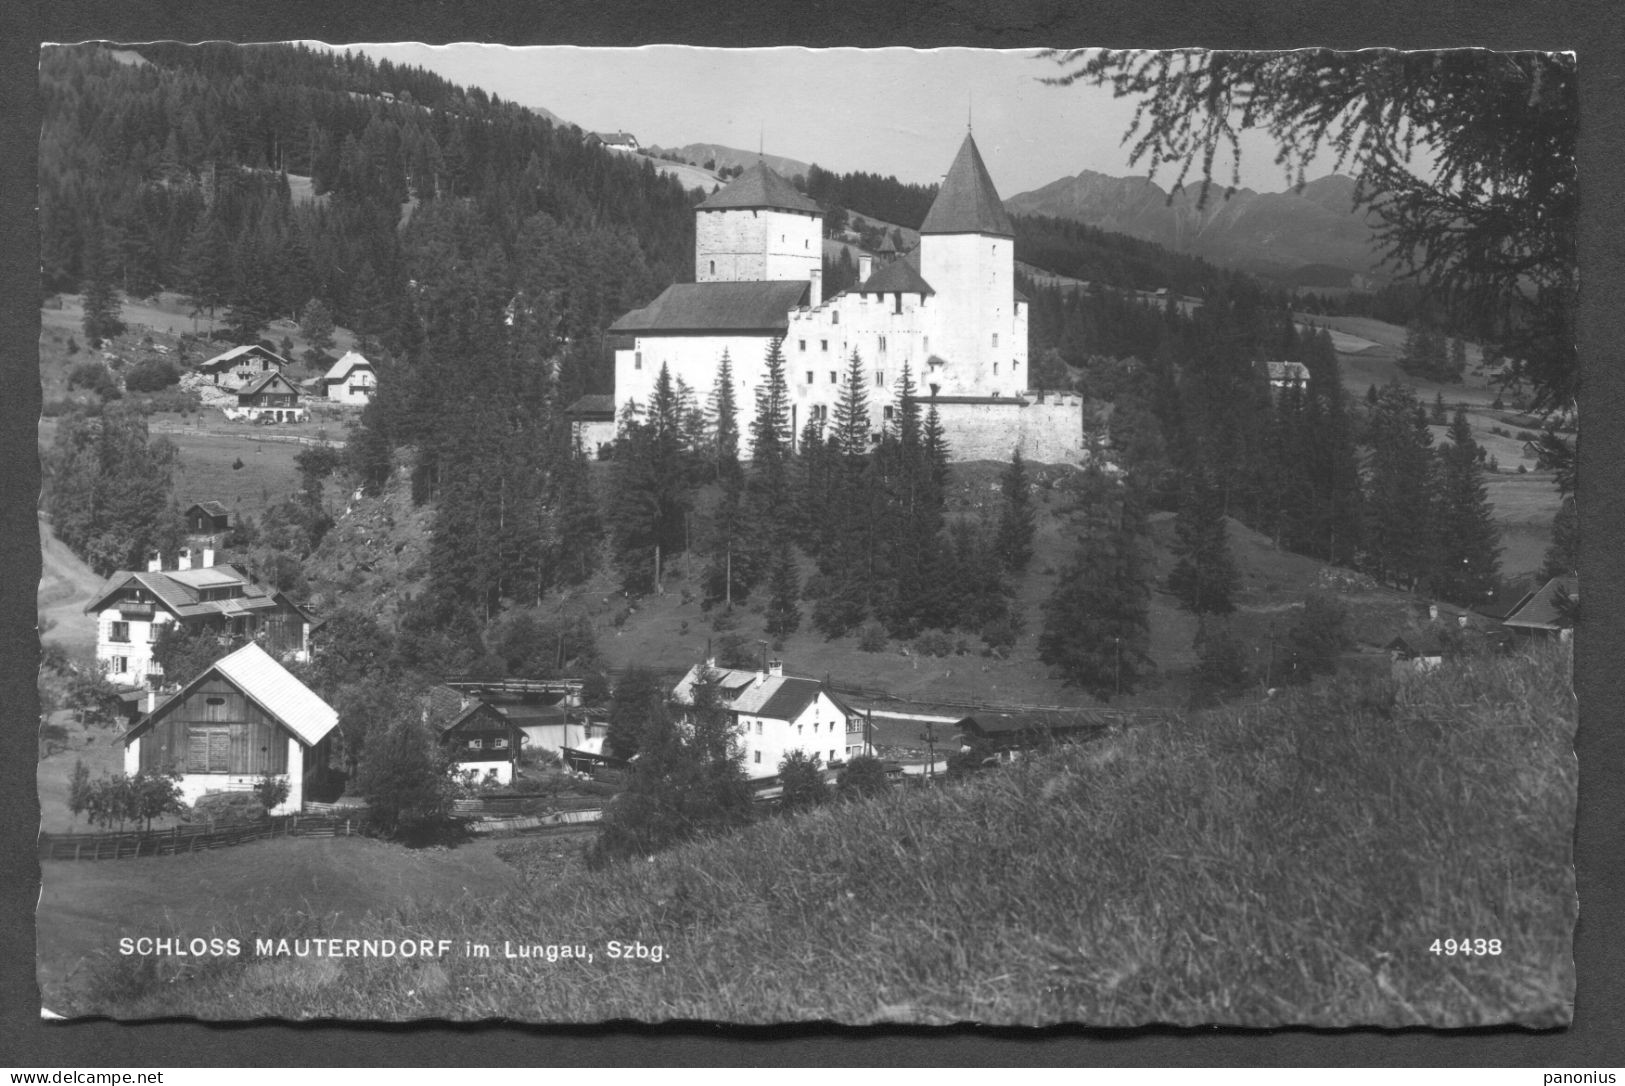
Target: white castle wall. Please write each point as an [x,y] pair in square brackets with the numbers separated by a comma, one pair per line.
[974,277]
[1046,433]
[755,244]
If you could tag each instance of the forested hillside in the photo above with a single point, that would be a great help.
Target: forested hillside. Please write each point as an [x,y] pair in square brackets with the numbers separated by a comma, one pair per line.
[174,173]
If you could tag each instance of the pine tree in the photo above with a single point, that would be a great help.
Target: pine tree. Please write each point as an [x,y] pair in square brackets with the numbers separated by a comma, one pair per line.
[1017,523]
[101,300]
[1204,578]
[1399,529]
[725,412]
[851,427]
[1096,623]
[1563,556]
[580,529]
[1469,548]
[783,616]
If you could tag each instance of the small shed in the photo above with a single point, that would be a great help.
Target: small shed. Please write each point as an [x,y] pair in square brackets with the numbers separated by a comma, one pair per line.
[1008,731]
[207,518]
[483,741]
[1417,650]
[244,716]
[1549,611]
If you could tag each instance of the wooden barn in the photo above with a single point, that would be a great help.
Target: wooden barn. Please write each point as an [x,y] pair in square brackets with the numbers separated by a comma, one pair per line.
[207,518]
[243,717]
[483,741]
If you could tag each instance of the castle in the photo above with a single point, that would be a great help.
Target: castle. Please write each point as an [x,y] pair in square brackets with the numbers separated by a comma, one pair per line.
[949,311]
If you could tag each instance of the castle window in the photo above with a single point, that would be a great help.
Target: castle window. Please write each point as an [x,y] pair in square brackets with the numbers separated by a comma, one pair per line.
[834,378]
[886,412]
[713,267]
[637,360]
[809,377]
[995,339]
[880,380]
[882,344]
[835,316]
[801,345]
[805,244]
[995,369]
[897,305]
[823,345]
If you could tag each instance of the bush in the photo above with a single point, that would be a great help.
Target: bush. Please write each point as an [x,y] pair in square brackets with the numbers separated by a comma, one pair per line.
[864,775]
[272,790]
[999,636]
[228,809]
[873,638]
[94,376]
[151,375]
[803,782]
[935,643]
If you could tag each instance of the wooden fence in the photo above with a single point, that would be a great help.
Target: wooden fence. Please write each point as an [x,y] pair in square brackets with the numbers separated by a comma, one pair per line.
[124,846]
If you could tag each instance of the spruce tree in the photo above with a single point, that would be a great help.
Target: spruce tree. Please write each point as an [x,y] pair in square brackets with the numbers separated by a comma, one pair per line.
[1399,529]
[725,412]
[1204,578]
[1013,544]
[783,615]
[101,300]
[1096,623]
[851,426]
[1469,547]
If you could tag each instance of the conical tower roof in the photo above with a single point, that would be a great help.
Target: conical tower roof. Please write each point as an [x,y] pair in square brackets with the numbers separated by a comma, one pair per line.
[760,187]
[968,203]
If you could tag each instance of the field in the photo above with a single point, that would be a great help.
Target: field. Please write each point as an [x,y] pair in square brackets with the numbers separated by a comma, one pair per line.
[1289,863]
[332,885]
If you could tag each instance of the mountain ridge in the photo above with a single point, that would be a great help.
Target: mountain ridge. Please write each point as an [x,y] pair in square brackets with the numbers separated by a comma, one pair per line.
[1272,234]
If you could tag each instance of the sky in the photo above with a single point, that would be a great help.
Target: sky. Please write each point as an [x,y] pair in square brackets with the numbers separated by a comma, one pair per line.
[901,112]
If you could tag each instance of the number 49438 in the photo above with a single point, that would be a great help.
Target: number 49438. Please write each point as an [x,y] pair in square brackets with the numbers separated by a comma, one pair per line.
[1452,947]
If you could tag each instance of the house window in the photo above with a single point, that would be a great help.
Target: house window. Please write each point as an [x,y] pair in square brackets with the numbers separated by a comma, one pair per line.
[476,744]
[121,632]
[121,664]
[758,758]
[758,727]
[499,743]
[637,360]
[208,749]
[995,368]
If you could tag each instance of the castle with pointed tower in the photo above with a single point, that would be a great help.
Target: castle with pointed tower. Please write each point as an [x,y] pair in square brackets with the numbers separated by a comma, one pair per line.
[948,311]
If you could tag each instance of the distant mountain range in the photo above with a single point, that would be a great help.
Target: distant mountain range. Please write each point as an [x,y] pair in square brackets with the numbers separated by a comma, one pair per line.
[1312,238]
[701,153]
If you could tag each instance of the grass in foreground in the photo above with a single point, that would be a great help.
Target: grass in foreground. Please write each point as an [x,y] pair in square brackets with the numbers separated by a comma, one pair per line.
[1287,864]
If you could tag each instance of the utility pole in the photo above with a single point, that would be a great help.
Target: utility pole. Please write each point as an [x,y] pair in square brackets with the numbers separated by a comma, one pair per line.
[931,747]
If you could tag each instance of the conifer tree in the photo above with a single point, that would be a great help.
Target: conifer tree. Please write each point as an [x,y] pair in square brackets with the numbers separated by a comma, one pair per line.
[580,529]
[101,300]
[851,427]
[1205,576]
[1469,548]
[783,615]
[1014,543]
[1399,527]
[725,412]
[1096,623]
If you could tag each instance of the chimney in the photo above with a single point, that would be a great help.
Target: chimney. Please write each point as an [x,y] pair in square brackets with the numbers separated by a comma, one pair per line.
[816,297]
[207,556]
[775,668]
[151,701]
[866,264]
[155,564]
[711,661]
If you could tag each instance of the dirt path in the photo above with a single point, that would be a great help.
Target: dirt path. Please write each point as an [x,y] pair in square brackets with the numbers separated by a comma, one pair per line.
[66,585]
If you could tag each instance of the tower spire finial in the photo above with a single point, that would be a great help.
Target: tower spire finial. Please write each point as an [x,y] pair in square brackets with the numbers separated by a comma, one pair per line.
[970,111]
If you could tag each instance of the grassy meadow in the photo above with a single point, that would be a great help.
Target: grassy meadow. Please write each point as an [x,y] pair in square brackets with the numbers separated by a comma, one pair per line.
[1291,862]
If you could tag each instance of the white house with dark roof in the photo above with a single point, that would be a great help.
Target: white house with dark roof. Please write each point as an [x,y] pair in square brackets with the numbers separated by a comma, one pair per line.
[245,716]
[131,608]
[350,380]
[774,713]
[948,312]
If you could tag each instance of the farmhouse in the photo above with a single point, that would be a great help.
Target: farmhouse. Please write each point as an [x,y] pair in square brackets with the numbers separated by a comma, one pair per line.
[350,380]
[1285,375]
[774,714]
[270,397]
[481,739]
[243,717]
[615,141]
[240,365]
[1545,612]
[131,608]
[948,314]
[592,423]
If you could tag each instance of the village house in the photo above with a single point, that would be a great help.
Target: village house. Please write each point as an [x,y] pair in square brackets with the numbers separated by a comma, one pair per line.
[207,520]
[237,367]
[774,714]
[592,424]
[350,380]
[615,141]
[1005,734]
[481,739]
[131,609]
[245,716]
[270,397]
[1545,612]
[1282,375]
[949,312]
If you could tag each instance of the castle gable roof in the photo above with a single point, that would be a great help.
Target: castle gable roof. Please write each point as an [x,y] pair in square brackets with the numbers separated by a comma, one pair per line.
[898,277]
[968,203]
[718,307]
[760,187]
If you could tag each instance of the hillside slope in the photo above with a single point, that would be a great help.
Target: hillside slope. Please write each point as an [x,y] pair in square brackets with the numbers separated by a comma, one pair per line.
[1288,864]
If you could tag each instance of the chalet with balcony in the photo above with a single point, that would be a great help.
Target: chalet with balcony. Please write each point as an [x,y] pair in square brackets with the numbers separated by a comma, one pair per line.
[237,367]
[131,609]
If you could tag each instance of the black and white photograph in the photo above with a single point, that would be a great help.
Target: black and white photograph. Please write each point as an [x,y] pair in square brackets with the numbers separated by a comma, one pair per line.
[782,535]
